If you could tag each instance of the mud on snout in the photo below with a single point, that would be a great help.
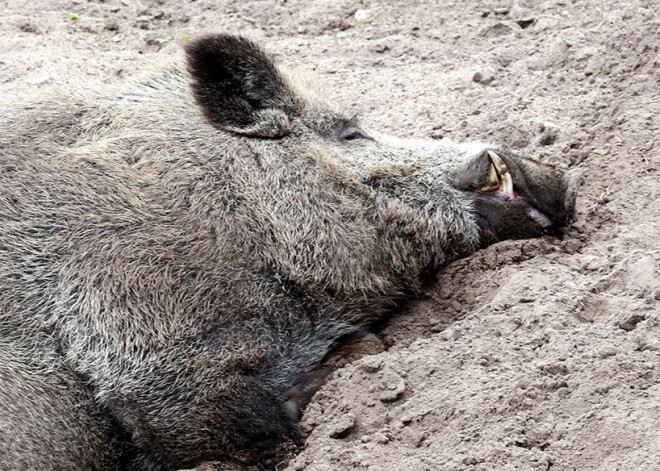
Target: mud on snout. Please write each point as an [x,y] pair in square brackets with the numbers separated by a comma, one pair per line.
[517,197]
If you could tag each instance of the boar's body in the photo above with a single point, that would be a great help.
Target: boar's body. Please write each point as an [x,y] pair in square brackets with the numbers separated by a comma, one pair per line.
[173,258]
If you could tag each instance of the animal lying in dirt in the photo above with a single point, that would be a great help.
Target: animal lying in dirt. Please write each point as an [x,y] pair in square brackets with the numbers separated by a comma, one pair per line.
[177,252]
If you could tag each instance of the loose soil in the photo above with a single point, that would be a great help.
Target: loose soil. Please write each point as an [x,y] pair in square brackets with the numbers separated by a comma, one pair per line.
[529,355]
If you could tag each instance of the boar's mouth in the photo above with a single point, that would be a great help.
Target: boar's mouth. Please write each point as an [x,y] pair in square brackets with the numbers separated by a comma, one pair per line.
[499,184]
[549,202]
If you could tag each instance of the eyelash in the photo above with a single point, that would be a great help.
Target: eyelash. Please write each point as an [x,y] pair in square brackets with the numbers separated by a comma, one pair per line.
[353,135]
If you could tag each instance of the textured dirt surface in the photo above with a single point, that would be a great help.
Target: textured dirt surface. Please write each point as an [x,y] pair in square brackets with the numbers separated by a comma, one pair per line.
[530,355]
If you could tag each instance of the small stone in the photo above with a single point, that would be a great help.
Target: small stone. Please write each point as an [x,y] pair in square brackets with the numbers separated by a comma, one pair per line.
[363,15]
[601,152]
[603,389]
[556,368]
[631,322]
[548,124]
[649,344]
[501,11]
[297,466]
[563,392]
[592,264]
[370,364]
[607,352]
[471,460]
[381,438]
[112,25]
[526,23]
[158,42]
[343,426]
[392,387]
[497,30]
[483,77]
[549,133]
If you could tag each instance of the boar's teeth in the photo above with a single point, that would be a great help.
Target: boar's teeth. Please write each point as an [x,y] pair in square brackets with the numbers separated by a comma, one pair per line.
[493,182]
[504,177]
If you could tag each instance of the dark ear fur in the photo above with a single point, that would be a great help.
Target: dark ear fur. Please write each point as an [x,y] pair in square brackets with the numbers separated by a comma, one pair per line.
[238,86]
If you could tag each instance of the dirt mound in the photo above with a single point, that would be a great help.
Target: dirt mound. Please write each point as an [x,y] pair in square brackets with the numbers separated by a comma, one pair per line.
[541,354]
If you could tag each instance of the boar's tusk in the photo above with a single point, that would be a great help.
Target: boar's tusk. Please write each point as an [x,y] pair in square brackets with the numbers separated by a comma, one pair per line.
[505,180]
[493,182]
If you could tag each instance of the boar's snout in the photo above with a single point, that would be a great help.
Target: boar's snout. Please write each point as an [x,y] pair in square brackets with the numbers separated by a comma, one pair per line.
[516,198]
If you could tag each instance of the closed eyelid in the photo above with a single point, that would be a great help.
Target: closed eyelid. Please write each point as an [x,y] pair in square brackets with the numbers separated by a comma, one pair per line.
[351,130]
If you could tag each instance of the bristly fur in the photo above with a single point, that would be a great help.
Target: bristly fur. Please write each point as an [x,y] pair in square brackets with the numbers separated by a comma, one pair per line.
[167,275]
[238,86]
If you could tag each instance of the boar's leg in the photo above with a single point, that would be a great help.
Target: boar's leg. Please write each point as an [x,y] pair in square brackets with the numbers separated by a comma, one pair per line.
[349,348]
[300,394]
[49,419]
[240,420]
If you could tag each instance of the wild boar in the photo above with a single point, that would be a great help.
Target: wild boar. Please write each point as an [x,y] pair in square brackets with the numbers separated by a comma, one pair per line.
[178,251]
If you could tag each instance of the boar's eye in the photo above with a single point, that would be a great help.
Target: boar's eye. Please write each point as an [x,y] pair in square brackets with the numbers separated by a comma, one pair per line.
[352,134]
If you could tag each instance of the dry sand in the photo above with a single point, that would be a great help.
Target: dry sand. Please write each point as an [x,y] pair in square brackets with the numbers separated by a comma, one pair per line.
[530,355]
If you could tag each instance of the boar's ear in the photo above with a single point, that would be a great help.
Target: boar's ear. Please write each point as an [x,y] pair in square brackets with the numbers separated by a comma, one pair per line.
[238,86]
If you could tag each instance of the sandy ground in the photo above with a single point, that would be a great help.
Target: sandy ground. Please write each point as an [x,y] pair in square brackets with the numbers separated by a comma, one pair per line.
[530,355]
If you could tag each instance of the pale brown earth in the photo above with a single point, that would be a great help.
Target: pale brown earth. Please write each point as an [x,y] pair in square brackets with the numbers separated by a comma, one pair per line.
[530,355]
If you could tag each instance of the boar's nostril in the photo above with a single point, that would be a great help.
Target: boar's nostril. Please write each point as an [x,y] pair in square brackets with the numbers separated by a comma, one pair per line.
[541,219]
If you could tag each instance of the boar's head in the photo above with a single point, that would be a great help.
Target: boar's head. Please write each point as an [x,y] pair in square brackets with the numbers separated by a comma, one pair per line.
[240,90]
